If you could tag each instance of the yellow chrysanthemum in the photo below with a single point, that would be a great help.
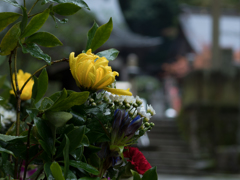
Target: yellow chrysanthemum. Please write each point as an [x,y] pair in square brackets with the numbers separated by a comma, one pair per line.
[22,78]
[92,72]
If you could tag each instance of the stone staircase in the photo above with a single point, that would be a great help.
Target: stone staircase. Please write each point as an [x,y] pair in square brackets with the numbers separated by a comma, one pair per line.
[168,151]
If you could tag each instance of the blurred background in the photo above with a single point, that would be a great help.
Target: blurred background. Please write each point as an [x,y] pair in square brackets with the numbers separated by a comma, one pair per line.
[183,58]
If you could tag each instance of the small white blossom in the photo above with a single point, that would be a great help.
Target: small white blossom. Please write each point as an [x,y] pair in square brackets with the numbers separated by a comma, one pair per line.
[150,110]
[107,112]
[139,101]
[7,116]
[106,97]
[129,99]
[133,112]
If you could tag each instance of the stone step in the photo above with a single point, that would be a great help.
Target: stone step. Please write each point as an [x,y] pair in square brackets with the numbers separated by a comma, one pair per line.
[169,155]
[167,142]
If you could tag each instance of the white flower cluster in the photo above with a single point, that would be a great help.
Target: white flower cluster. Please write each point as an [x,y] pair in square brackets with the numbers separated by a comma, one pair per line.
[134,105]
[7,116]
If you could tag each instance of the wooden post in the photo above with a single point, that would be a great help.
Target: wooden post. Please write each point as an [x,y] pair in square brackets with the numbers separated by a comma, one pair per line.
[215,34]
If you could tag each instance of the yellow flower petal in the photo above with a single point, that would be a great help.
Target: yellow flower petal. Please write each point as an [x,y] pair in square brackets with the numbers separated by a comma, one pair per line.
[118,91]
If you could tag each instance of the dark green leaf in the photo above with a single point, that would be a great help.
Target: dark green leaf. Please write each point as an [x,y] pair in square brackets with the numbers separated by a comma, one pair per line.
[7,138]
[56,171]
[36,52]
[77,153]
[35,88]
[58,119]
[85,141]
[109,54]
[94,160]
[150,174]
[46,134]
[43,83]
[85,166]
[102,34]
[75,142]
[47,170]
[12,2]
[7,18]
[46,104]
[32,113]
[91,34]
[75,98]
[77,119]
[24,19]
[6,151]
[136,176]
[66,157]
[8,168]
[90,178]
[36,23]
[44,39]
[66,9]
[9,41]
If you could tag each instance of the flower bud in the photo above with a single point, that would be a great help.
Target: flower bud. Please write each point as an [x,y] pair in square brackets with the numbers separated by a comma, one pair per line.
[93,104]
[152,124]
[91,100]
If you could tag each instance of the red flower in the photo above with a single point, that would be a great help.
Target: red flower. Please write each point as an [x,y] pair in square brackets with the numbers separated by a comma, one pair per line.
[137,159]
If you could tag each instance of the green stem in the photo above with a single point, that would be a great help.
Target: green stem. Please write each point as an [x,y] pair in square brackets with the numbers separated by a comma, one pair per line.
[32,7]
[11,74]
[24,1]
[18,94]
[57,61]
[27,151]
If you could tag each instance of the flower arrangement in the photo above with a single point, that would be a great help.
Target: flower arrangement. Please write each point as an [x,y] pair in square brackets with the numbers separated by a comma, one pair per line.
[68,135]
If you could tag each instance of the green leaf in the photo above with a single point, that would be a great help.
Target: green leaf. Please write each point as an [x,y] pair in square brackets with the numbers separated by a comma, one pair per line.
[75,142]
[12,2]
[6,151]
[56,171]
[77,119]
[136,176]
[109,54]
[79,3]
[46,134]
[43,83]
[75,98]
[85,141]
[47,170]
[66,157]
[44,39]
[2,80]
[85,166]
[7,18]
[58,119]
[66,9]
[7,138]
[150,174]
[35,88]
[91,34]
[102,34]
[90,178]
[10,40]
[36,23]
[24,19]
[46,104]
[36,52]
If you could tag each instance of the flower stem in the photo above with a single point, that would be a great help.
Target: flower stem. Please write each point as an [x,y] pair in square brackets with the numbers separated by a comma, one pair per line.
[57,61]
[32,7]
[27,151]
[18,94]
[11,74]
[24,1]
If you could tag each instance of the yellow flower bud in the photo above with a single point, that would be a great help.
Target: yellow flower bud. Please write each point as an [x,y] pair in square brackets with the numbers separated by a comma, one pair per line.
[92,73]
[22,78]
